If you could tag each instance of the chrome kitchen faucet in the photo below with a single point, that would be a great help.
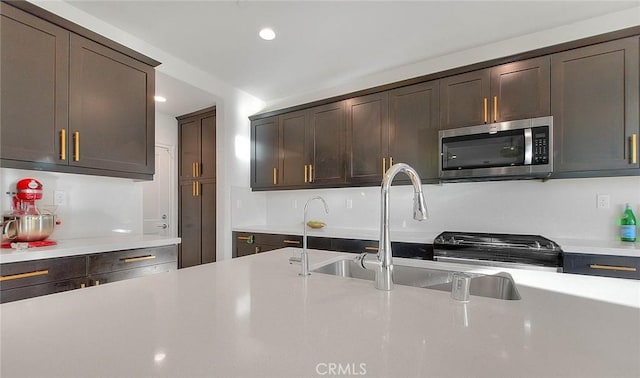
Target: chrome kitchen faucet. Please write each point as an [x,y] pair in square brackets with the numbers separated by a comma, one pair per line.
[304,259]
[383,265]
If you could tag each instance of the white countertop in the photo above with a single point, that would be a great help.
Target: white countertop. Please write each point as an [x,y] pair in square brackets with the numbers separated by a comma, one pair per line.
[254,316]
[74,247]
[600,247]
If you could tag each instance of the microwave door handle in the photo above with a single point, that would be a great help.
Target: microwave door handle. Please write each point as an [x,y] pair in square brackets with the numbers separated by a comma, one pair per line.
[528,147]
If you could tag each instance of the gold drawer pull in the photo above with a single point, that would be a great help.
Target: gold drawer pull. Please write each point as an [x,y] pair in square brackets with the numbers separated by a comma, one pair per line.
[243,237]
[486,110]
[371,249]
[24,275]
[76,146]
[291,241]
[139,258]
[613,267]
[63,144]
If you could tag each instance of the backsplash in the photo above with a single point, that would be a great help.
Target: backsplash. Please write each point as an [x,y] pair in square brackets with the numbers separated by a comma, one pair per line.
[555,209]
[93,206]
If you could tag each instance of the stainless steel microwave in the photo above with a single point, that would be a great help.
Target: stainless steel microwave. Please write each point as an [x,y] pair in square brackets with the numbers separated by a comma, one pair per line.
[504,150]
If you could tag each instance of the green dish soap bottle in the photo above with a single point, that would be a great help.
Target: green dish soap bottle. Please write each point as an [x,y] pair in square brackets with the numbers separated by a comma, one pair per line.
[628,225]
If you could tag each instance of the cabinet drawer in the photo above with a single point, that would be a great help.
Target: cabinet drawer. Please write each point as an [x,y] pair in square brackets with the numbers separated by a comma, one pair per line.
[36,272]
[103,278]
[278,241]
[598,265]
[132,258]
[11,295]
[354,245]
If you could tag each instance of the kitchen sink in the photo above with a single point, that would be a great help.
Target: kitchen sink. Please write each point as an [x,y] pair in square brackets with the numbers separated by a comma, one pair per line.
[499,285]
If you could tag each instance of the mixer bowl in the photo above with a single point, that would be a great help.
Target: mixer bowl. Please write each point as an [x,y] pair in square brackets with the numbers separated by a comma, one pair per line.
[32,227]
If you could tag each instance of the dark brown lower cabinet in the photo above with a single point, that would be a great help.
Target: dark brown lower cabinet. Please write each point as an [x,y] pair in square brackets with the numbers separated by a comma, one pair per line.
[121,265]
[246,243]
[29,279]
[602,265]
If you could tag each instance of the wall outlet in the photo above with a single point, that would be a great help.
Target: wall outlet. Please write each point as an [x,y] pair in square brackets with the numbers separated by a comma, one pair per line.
[294,204]
[603,201]
[58,197]
[349,204]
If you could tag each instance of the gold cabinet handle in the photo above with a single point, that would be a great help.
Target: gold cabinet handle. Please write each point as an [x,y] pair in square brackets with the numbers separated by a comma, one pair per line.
[63,144]
[97,283]
[275,176]
[138,258]
[390,161]
[193,169]
[634,149]
[384,165]
[195,189]
[310,173]
[486,110]
[197,171]
[495,108]
[24,275]
[82,286]
[76,146]
[243,237]
[613,267]
[291,241]
[371,249]
[306,176]
[257,249]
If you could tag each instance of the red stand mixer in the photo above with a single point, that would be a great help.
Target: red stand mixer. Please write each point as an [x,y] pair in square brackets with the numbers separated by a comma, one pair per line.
[27,223]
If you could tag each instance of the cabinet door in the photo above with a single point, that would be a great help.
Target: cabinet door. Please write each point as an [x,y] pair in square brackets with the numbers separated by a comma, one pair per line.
[207,166]
[327,135]
[111,109]
[595,106]
[190,144]
[207,193]
[464,99]
[34,70]
[521,90]
[190,225]
[264,144]
[414,123]
[367,137]
[293,146]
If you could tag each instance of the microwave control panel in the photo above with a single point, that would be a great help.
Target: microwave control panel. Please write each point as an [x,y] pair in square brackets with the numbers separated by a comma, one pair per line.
[540,145]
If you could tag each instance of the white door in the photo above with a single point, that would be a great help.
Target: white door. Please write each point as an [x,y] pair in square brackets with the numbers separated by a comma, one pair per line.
[157,196]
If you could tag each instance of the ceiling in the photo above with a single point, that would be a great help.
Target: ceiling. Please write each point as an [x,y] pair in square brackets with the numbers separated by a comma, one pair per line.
[323,44]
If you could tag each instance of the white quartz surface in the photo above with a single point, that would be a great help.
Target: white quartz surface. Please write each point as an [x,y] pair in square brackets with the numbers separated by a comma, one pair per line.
[255,317]
[74,247]
[600,247]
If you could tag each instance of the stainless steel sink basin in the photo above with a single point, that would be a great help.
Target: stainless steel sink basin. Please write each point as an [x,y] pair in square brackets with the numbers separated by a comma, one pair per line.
[499,285]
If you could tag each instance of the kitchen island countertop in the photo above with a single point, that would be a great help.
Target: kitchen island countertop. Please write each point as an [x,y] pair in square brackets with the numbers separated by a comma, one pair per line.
[254,316]
[76,247]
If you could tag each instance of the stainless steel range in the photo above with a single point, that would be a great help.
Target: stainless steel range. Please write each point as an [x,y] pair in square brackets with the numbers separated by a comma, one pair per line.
[505,250]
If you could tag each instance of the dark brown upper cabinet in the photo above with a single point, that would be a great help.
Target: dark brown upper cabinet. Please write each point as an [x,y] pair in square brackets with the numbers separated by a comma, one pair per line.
[595,107]
[413,128]
[367,137]
[299,149]
[111,109]
[197,139]
[264,153]
[85,107]
[35,87]
[507,92]
[327,140]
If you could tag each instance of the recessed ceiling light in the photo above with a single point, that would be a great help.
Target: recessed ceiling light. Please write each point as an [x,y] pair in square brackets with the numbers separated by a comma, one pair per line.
[267,34]
[159,99]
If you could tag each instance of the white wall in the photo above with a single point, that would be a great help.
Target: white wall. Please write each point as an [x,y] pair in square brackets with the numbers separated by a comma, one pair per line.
[556,208]
[93,206]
